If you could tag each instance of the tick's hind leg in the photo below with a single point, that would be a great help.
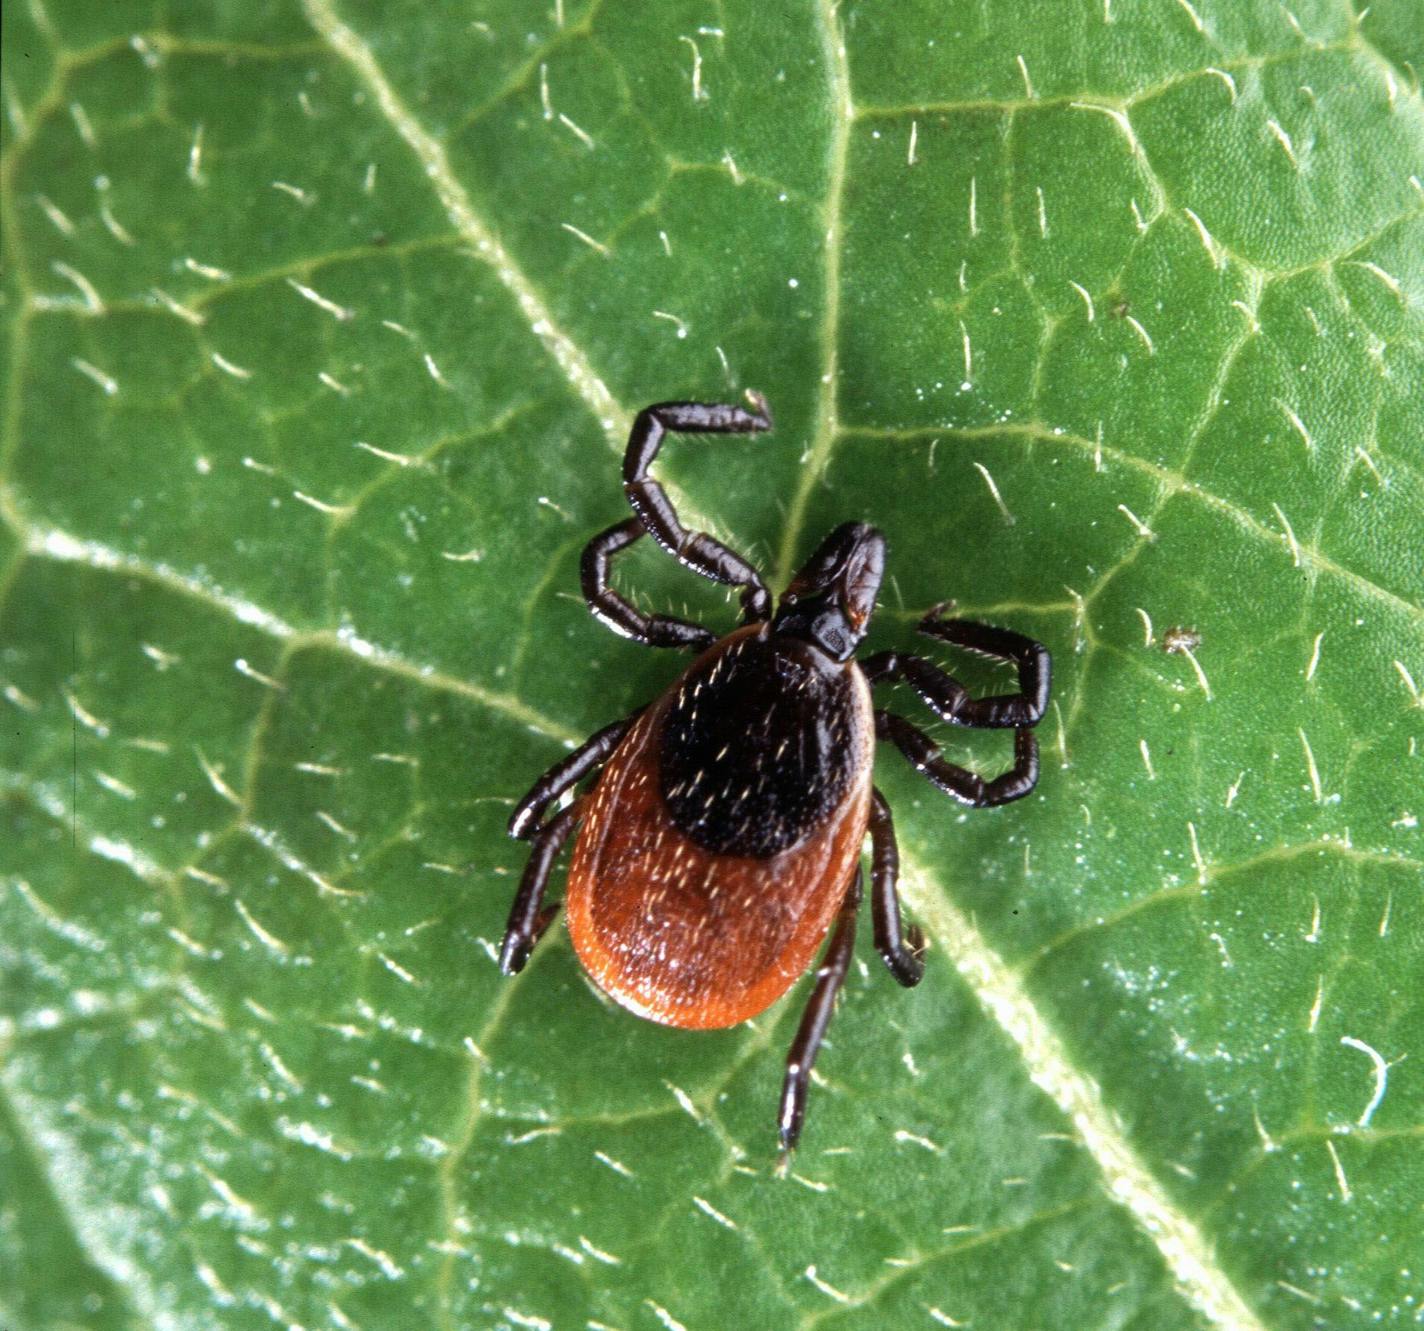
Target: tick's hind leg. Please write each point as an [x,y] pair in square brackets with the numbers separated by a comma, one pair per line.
[529,917]
[966,786]
[949,698]
[817,1016]
[902,955]
[695,549]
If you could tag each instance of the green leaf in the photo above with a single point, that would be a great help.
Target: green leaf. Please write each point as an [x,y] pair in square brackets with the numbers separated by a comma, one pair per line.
[324,327]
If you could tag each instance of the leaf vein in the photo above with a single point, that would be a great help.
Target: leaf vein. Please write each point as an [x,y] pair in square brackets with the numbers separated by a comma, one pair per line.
[1185,1249]
[566,354]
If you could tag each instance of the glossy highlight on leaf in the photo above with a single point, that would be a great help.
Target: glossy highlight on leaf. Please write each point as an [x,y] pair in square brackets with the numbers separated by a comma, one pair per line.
[323,328]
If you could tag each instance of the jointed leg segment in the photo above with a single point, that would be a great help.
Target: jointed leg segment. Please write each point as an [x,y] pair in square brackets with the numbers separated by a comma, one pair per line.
[966,786]
[819,1007]
[529,917]
[563,776]
[948,697]
[620,614]
[951,702]
[902,955]
[657,517]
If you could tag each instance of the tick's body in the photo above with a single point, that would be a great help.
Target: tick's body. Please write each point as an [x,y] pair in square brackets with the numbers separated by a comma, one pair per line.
[723,836]
[720,837]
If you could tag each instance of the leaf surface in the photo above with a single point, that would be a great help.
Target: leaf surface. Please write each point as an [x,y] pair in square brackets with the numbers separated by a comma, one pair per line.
[324,328]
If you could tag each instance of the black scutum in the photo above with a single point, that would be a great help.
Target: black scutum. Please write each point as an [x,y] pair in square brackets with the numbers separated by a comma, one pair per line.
[757,746]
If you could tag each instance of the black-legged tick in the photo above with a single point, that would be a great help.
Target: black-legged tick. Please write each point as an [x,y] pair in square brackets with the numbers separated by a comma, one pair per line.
[723,836]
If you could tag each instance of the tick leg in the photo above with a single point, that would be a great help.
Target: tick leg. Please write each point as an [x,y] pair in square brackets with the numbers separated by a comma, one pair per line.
[966,786]
[901,955]
[694,549]
[817,1016]
[949,698]
[619,614]
[564,775]
[529,917]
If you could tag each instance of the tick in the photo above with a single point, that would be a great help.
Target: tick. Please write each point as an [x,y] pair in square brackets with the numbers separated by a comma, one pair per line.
[721,838]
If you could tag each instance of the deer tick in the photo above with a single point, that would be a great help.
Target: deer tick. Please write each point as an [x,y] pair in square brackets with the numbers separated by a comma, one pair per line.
[721,840]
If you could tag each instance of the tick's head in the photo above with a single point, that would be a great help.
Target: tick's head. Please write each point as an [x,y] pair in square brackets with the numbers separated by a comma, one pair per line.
[829,602]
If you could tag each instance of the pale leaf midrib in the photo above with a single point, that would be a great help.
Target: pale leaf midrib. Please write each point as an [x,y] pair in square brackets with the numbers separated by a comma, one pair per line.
[1186,1251]
[841,112]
